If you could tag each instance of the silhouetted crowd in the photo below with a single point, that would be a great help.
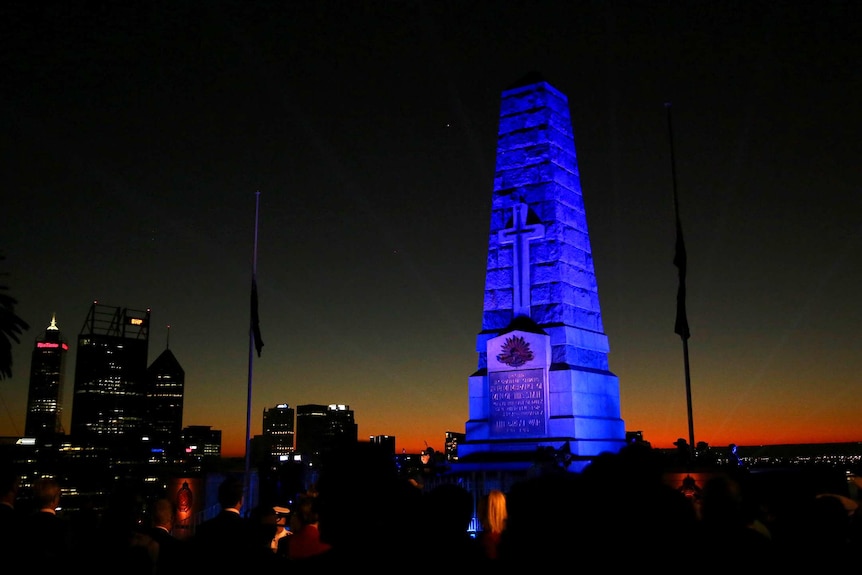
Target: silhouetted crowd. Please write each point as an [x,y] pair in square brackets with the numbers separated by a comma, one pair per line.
[619,511]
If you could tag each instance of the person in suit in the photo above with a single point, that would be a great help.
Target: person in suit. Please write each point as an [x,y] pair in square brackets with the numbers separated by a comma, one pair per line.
[46,536]
[119,542]
[171,551]
[228,539]
[10,516]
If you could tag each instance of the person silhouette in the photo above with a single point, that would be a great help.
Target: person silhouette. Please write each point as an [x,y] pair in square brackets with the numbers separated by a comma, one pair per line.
[492,517]
[46,536]
[171,550]
[228,539]
[10,515]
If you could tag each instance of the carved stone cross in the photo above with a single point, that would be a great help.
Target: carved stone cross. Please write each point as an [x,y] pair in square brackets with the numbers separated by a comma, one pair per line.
[519,235]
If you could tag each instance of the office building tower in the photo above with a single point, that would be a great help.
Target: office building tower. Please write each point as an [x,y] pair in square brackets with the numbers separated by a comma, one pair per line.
[453,438]
[310,428]
[201,442]
[109,403]
[320,428]
[165,394]
[278,430]
[386,442]
[47,376]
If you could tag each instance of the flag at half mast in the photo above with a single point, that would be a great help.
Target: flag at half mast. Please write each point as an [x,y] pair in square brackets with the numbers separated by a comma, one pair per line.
[680,326]
[255,317]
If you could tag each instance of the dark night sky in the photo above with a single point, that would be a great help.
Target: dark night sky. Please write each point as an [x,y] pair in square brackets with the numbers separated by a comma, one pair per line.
[135,137]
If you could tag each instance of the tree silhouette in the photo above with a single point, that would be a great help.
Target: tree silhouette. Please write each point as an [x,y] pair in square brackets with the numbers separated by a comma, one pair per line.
[11,326]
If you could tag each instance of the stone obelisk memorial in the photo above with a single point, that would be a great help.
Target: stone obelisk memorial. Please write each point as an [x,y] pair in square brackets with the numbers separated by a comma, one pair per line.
[543,389]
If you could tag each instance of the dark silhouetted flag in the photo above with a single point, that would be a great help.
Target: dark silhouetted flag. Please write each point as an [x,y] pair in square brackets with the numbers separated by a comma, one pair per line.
[255,318]
[679,260]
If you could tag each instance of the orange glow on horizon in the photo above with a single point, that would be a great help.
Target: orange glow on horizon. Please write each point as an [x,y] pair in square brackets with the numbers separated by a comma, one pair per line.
[415,445]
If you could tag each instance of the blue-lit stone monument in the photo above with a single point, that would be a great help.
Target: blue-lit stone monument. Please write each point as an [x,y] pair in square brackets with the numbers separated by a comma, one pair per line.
[543,390]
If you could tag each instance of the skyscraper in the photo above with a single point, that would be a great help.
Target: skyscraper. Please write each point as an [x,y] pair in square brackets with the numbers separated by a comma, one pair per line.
[386,442]
[165,395]
[320,428]
[47,377]
[202,441]
[278,429]
[453,438]
[109,404]
[201,447]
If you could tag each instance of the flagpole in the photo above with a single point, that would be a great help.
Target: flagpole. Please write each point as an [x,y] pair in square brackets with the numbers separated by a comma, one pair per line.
[680,260]
[251,347]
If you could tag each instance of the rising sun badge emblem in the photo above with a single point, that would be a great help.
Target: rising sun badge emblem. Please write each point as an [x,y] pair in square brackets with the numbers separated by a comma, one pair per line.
[515,352]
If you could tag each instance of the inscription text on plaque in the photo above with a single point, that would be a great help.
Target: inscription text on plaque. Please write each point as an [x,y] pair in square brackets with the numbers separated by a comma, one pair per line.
[517,403]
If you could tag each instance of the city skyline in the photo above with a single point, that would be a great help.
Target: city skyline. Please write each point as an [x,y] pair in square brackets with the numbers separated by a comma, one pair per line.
[136,138]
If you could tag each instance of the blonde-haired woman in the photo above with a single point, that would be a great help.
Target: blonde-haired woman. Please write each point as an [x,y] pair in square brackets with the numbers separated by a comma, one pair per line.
[493,516]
